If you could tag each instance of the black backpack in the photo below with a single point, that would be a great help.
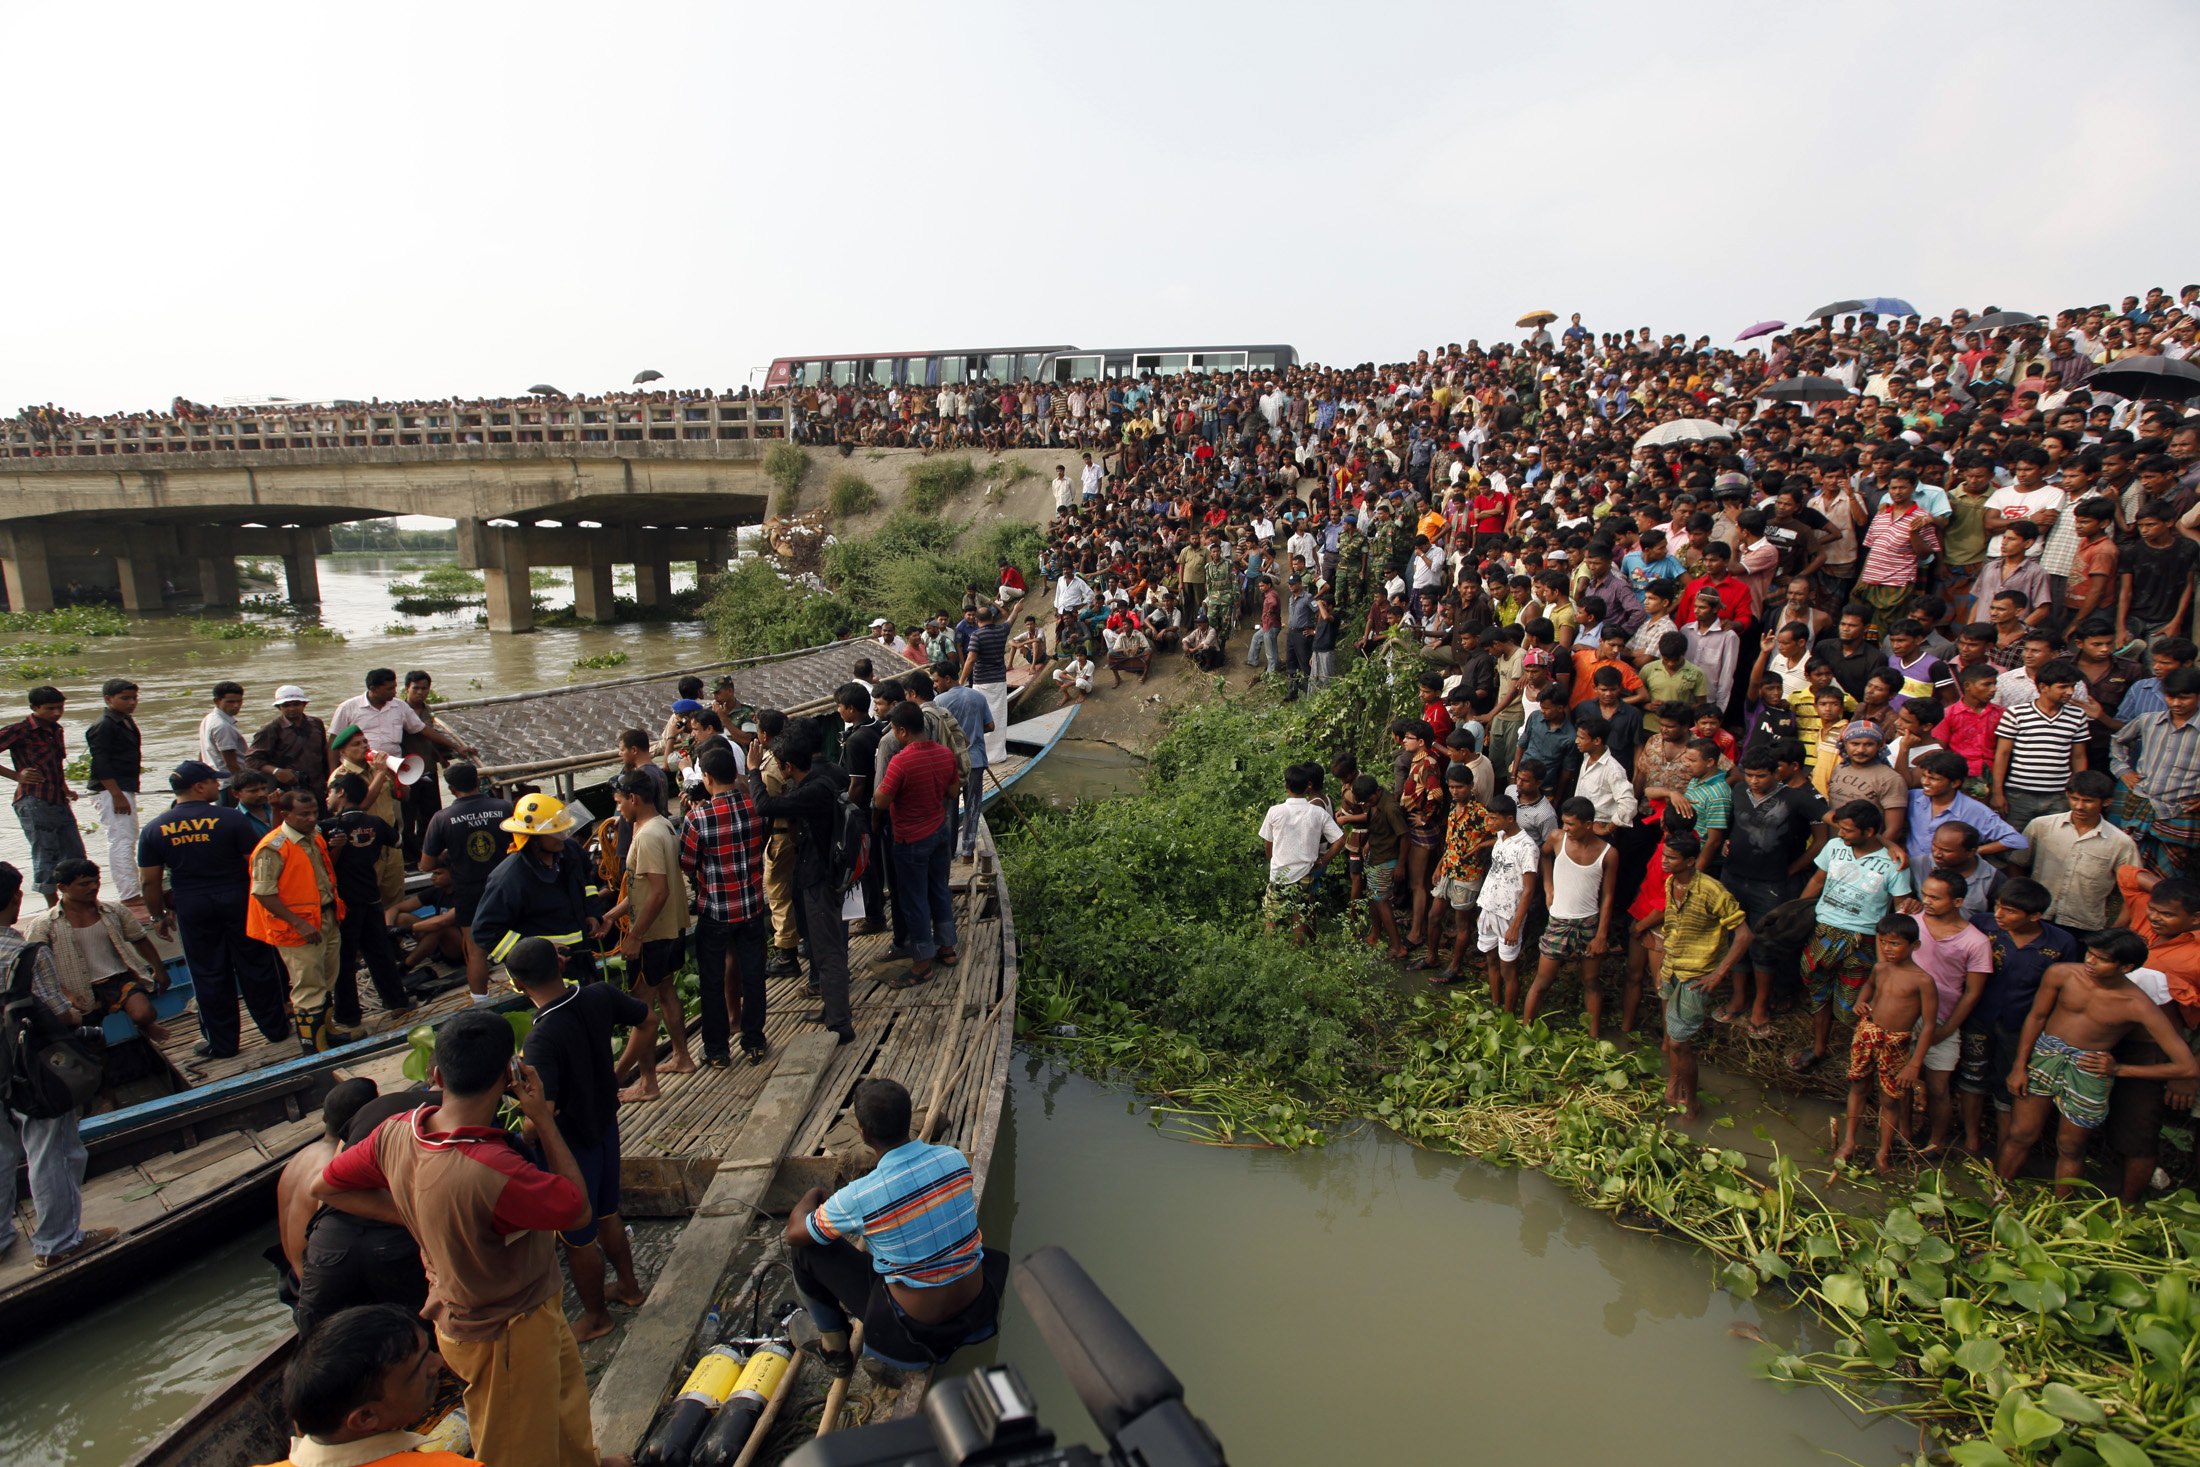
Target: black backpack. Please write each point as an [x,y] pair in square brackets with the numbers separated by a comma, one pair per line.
[46,1069]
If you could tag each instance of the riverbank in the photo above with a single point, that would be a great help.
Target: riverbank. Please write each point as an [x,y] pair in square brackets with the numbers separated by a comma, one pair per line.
[2060,1330]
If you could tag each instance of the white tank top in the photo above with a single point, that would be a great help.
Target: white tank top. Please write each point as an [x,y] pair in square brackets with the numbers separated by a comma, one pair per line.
[1577,890]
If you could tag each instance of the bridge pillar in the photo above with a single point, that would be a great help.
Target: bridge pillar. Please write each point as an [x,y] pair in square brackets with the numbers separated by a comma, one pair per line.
[652,582]
[137,572]
[593,592]
[301,577]
[710,558]
[28,572]
[217,578]
[506,573]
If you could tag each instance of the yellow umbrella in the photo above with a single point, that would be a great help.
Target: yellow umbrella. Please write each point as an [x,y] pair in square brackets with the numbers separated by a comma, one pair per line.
[1537,318]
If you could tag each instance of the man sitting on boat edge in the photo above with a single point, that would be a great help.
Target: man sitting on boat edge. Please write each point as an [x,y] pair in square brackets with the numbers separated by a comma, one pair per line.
[356,1388]
[929,1285]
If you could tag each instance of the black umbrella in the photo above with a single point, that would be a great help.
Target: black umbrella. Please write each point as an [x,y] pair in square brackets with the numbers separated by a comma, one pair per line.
[544,389]
[1838,308]
[1804,389]
[641,377]
[2002,321]
[2165,378]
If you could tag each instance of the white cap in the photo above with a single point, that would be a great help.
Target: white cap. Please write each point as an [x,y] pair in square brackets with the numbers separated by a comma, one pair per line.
[290,693]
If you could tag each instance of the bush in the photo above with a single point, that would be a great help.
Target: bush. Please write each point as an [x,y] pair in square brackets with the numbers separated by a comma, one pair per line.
[78,621]
[935,481]
[753,611]
[233,631]
[601,659]
[852,495]
[784,465]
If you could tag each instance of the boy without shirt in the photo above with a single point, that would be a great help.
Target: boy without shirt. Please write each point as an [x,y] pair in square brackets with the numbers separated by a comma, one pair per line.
[1895,1009]
[2082,1012]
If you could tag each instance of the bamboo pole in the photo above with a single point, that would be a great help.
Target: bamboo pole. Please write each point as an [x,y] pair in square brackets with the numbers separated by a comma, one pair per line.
[763,1426]
[838,1395]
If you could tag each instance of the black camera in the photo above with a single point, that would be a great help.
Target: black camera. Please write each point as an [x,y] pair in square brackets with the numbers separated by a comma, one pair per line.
[988,1417]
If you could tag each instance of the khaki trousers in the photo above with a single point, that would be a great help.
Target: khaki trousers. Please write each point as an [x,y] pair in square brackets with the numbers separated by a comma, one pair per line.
[312,966]
[526,1393]
[779,890]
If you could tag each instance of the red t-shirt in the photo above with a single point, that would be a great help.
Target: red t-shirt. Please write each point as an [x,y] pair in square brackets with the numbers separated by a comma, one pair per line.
[1012,578]
[916,785]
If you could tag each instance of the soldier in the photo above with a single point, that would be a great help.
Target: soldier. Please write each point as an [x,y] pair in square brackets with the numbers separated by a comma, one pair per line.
[1221,592]
[1351,575]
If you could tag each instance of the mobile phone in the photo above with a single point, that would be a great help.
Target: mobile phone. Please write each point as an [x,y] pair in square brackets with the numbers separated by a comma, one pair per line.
[516,1069]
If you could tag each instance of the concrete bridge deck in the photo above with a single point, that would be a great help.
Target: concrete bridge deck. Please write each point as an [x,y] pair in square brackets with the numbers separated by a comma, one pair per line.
[140,520]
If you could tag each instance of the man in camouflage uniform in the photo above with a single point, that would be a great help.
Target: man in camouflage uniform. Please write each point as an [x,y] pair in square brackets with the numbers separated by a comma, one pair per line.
[1351,576]
[1221,592]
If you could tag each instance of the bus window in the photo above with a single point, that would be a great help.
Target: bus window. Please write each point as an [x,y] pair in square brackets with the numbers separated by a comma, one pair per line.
[1027,370]
[811,373]
[1143,363]
[844,372]
[1260,359]
[951,371]
[1218,361]
[1174,364]
[1075,369]
[1001,367]
[880,372]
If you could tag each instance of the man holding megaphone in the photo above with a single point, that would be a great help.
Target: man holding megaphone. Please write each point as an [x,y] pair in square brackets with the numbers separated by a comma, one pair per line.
[386,720]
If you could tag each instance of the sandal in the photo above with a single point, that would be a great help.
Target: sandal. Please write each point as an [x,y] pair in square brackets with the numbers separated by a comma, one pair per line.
[1444,979]
[947,957]
[1803,1061]
[1760,1031]
[909,979]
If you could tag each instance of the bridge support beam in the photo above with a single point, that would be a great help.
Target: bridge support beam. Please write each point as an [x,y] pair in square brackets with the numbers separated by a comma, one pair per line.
[29,574]
[507,574]
[652,582]
[301,577]
[593,592]
[217,579]
[137,572]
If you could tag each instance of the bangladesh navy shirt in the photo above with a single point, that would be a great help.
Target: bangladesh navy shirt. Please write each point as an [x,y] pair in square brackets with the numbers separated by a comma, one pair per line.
[205,848]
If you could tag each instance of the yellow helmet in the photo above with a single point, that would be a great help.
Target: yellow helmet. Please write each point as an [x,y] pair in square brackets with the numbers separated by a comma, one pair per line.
[538,815]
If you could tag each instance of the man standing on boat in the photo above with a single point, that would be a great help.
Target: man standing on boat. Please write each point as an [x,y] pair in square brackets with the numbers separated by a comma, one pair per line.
[50,1143]
[465,838]
[195,864]
[808,804]
[484,1215]
[722,854]
[296,910]
[923,1283]
[545,888]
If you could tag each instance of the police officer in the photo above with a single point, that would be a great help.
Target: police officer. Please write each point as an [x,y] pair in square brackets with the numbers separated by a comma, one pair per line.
[195,862]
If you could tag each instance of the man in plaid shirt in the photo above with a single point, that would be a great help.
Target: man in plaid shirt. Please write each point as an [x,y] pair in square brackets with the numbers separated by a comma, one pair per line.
[722,852]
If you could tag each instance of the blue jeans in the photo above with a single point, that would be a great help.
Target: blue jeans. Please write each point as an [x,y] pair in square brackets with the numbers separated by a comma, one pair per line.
[973,802]
[57,1158]
[51,832]
[1263,648]
[921,891]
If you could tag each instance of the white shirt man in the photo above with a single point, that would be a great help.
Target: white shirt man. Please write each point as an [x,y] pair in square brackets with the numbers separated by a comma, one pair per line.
[220,736]
[1604,784]
[1065,490]
[1297,831]
[1302,545]
[1092,478]
[385,727]
[1071,593]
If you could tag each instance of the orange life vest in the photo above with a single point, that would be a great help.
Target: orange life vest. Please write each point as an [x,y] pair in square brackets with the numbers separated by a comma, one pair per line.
[296,889]
[410,1459]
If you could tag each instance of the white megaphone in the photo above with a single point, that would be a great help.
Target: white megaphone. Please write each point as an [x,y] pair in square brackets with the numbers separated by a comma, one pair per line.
[408,769]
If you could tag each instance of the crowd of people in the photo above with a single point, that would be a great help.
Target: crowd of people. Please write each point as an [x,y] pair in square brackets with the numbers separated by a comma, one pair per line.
[1760,709]
[740,845]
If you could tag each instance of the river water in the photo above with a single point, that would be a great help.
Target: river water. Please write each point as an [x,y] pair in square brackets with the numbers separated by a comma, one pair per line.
[1363,1299]
[175,666]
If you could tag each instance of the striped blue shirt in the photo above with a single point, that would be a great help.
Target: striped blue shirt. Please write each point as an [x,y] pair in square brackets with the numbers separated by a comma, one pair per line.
[915,1211]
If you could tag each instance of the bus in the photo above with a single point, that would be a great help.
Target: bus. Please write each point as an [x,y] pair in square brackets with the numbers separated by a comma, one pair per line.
[1009,364]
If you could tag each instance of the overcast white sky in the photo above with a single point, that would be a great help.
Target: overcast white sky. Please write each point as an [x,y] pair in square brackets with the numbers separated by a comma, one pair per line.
[401,200]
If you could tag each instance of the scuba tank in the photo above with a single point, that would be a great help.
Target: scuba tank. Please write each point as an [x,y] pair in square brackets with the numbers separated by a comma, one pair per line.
[452,1434]
[722,1444]
[708,1385]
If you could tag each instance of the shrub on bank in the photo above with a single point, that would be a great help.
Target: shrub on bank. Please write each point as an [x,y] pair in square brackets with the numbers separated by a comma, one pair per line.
[852,495]
[936,481]
[785,465]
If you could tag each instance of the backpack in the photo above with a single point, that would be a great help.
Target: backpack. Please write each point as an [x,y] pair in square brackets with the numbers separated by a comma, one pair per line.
[46,1070]
[847,854]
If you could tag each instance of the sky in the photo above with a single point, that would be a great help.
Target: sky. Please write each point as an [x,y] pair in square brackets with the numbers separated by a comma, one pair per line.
[232,200]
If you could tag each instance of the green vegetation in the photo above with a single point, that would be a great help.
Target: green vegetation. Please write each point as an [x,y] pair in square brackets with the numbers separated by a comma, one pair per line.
[549,578]
[785,464]
[233,631]
[852,495]
[2037,1331]
[35,670]
[399,629]
[386,536]
[267,604]
[314,632]
[601,659]
[905,570]
[936,481]
[68,621]
[438,588]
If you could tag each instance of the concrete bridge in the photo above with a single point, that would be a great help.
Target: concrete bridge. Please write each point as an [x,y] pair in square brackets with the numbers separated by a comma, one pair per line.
[162,508]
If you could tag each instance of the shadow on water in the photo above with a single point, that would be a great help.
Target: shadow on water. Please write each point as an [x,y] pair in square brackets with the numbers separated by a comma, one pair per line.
[1372,1299]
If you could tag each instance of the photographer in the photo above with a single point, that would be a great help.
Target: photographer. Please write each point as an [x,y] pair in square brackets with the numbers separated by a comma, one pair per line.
[50,1142]
[928,1285]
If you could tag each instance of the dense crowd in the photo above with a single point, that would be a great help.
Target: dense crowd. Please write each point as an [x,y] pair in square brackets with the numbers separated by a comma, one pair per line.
[1777,676]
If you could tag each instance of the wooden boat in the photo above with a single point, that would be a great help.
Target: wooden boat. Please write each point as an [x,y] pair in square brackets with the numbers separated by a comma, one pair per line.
[756,1138]
[1029,741]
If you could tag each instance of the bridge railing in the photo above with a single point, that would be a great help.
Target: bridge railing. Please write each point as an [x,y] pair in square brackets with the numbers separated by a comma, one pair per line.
[701,420]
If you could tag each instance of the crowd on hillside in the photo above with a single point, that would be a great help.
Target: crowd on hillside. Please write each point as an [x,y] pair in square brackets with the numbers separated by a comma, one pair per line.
[1895,681]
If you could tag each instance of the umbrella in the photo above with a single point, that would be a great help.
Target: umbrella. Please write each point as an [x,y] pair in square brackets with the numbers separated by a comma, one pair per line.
[1762,328]
[641,377]
[2164,378]
[1877,305]
[1804,389]
[1683,430]
[2002,320]
[1537,318]
[545,389]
